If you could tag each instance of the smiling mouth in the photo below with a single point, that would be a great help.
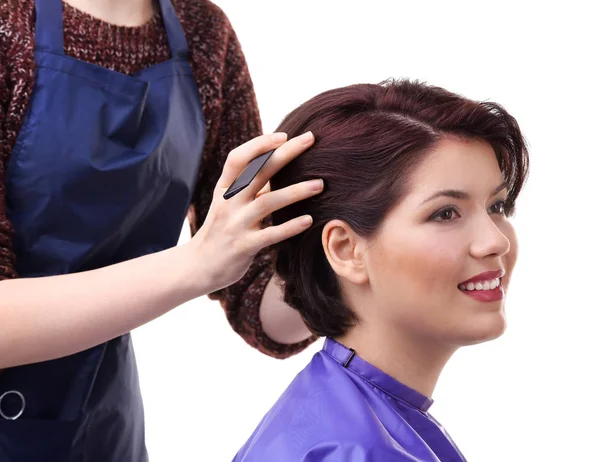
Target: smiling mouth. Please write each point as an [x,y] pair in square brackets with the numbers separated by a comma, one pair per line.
[486,291]
[488,285]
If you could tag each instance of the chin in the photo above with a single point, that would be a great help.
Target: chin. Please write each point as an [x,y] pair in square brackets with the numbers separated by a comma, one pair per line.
[483,328]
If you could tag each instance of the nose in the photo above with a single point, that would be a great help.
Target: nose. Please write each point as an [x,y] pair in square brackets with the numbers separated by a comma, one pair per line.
[488,239]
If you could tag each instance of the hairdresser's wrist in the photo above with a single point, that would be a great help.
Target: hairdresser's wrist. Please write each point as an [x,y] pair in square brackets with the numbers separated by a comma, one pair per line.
[198,274]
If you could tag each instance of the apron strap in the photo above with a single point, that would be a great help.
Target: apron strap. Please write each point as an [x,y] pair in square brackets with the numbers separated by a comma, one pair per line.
[49,26]
[175,33]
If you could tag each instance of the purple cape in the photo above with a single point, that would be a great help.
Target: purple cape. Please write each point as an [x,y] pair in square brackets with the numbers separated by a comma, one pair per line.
[340,408]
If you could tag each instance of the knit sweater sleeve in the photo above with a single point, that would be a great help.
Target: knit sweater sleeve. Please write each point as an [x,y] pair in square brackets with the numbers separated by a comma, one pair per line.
[239,122]
[7,258]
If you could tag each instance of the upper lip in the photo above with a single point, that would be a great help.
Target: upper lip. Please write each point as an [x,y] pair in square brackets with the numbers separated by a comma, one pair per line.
[485,276]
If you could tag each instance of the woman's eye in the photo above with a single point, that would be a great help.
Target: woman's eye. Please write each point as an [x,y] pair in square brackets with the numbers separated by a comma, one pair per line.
[447,214]
[499,208]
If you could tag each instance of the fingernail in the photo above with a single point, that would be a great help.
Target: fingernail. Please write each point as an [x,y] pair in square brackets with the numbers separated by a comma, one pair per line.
[279,137]
[306,138]
[316,185]
[306,220]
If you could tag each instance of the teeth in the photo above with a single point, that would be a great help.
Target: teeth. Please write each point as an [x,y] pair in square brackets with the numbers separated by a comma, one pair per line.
[485,285]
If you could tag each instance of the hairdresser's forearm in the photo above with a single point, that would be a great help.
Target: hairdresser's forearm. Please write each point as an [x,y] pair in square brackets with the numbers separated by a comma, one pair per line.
[50,317]
[280,322]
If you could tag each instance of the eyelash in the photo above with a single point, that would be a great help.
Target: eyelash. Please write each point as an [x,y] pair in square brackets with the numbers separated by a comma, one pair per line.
[506,210]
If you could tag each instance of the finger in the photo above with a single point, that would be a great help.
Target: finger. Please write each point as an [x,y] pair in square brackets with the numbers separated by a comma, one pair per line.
[266,188]
[275,234]
[282,156]
[239,158]
[268,203]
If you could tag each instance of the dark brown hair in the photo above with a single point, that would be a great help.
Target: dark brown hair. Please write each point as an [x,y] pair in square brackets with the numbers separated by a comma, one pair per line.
[368,140]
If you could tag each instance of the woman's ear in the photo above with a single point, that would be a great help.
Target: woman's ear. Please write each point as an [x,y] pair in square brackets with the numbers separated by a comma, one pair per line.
[344,250]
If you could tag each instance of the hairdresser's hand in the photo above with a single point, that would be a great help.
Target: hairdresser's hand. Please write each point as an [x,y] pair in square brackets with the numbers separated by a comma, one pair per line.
[232,233]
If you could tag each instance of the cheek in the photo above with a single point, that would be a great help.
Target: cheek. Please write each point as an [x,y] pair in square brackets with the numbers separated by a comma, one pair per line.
[415,265]
[510,259]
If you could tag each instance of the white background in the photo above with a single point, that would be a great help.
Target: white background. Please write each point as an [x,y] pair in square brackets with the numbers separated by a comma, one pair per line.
[534,394]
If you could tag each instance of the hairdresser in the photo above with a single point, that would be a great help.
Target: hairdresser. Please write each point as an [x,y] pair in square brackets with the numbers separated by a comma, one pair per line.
[119,118]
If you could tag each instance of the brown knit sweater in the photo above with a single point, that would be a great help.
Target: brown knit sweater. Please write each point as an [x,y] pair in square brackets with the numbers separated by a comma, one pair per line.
[228,101]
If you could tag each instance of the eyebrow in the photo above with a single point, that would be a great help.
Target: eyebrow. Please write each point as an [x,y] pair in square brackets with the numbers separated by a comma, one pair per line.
[462,195]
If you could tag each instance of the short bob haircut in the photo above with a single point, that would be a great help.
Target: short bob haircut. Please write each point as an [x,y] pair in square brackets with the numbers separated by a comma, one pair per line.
[368,140]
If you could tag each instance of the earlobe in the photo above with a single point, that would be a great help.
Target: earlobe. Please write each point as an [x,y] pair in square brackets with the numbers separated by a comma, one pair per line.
[344,251]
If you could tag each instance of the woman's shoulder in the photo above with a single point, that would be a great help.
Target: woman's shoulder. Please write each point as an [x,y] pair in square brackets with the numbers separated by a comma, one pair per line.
[206,8]
[207,27]
[17,18]
[324,414]
[16,25]
[302,417]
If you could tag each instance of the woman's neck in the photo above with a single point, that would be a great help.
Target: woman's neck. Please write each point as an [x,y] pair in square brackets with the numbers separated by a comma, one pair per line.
[129,13]
[416,363]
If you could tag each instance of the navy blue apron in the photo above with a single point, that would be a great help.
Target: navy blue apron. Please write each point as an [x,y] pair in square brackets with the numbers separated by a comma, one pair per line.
[103,171]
